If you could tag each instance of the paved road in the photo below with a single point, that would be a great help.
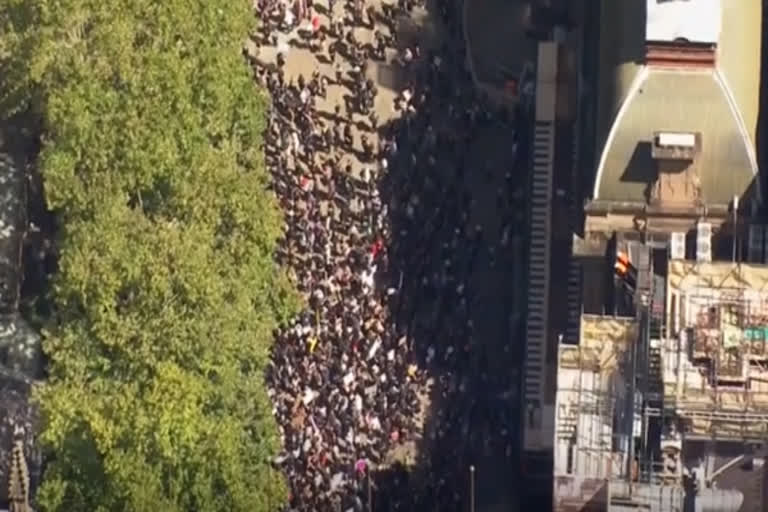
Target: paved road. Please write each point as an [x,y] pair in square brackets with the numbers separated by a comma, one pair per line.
[492,283]
[388,75]
[494,289]
[500,49]
[499,46]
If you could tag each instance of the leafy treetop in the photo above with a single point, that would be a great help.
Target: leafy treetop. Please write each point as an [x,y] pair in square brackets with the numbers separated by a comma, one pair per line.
[167,294]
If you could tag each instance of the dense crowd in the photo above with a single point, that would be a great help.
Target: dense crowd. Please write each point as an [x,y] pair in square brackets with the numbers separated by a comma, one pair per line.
[381,243]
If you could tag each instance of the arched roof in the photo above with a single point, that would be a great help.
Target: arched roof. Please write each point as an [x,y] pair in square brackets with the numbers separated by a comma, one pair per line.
[669,100]
[635,100]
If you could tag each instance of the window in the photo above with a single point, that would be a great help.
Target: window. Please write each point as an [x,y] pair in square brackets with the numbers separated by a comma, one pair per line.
[569,459]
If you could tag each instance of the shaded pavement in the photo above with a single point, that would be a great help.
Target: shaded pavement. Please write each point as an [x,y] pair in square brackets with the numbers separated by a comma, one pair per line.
[470,211]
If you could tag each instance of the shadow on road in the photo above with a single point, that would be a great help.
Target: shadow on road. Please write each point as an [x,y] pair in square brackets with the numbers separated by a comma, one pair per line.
[456,221]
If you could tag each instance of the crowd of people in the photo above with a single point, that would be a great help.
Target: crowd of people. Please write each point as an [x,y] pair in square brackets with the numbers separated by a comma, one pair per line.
[381,241]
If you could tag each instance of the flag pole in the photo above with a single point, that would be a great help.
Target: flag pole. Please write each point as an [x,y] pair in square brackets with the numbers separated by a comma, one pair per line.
[370,491]
[472,488]
[735,225]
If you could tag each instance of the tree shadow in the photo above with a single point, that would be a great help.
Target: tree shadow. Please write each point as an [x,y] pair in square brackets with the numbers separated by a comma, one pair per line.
[40,254]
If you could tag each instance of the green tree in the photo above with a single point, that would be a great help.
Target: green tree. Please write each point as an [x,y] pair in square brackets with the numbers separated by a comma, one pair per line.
[167,294]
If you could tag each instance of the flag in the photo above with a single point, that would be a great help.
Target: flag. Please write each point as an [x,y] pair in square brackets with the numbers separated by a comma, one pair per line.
[312,341]
[361,465]
[376,248]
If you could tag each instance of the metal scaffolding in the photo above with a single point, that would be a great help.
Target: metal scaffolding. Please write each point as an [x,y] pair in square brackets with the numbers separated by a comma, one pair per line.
[635,389]
[717,337]
[590,397]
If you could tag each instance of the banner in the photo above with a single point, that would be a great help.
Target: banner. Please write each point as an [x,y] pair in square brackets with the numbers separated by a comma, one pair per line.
[732,336]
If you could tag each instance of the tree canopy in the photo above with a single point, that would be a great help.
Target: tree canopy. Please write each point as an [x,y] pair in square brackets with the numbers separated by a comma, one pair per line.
[167,294]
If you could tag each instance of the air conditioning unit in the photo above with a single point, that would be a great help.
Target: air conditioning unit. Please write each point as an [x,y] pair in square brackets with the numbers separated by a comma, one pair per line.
[756,243]
[703,241]
[677,246]
[685,140]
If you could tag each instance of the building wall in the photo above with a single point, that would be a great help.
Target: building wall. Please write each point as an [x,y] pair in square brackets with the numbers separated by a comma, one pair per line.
[703,344]
[590,393]
[739,56]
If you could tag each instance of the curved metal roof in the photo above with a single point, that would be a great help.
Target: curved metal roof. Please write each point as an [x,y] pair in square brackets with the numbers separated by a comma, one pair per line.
[690,101]
[634,101]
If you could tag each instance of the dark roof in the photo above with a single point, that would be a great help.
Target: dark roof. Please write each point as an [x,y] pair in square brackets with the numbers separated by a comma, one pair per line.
[733,89]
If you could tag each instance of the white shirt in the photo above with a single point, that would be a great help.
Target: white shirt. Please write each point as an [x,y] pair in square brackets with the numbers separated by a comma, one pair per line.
[309,396]
[374,348]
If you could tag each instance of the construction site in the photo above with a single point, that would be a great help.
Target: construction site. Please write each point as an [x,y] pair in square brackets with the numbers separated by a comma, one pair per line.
[667,409]
[646,383]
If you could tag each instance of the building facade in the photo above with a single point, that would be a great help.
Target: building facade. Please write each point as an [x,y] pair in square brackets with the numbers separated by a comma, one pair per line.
[661,394]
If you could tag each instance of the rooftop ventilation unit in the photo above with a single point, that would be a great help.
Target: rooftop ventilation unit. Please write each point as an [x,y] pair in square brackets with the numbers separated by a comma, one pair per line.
[703,241]
[675,145]
[686,140]
[677,246]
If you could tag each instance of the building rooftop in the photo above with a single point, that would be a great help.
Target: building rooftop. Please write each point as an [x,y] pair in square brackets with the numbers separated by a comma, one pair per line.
[690,101]
[635,100]
[697,21]
[684,276]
